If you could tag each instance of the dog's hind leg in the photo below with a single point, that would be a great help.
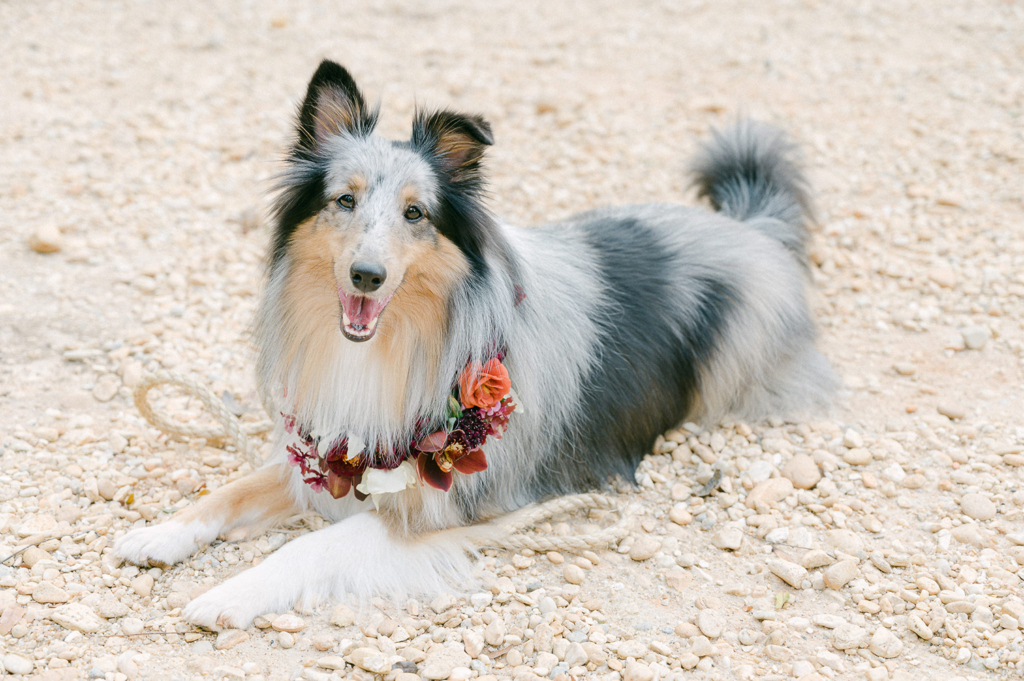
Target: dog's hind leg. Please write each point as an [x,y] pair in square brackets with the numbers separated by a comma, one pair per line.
[258,500]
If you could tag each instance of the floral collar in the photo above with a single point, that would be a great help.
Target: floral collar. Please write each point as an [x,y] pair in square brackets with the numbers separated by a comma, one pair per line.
[479,407]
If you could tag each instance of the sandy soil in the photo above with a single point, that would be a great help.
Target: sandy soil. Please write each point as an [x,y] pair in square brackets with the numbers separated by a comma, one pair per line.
[138,140]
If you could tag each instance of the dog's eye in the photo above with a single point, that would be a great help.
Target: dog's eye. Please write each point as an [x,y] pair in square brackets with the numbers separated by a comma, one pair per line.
[413,213]
[346,201]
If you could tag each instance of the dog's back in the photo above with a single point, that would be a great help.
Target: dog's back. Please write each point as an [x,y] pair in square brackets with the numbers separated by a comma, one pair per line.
[659,313]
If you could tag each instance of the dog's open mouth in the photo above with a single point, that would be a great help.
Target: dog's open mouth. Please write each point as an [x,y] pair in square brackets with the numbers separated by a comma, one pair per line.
[359,315]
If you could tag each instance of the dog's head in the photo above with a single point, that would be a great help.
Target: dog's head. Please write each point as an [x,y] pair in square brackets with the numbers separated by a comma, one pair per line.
[373,218]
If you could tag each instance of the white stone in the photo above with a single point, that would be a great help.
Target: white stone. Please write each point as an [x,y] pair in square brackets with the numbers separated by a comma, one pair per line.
[343,616]
[729,538]
[787,571]
[849,637]
[331,662]
[132,626]
[858,456]
[573,573]
[77,617]
[846,541]
[885,644]
[37,524]
[575,655]
[45,238]
[917,626]
[494,633]
[372,661]
[229,638]
[975,337]
[473,642]
[106,387]
[635,649]
[802,471]
[977,506]
[894,472]
[710,623]
[839,575]
[638,671]
[288,622]
[771,491]
[644,548]
[828,621]
[481,600]
[17,664]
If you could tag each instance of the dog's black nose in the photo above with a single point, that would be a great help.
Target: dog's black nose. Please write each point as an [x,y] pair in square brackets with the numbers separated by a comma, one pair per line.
[367,276]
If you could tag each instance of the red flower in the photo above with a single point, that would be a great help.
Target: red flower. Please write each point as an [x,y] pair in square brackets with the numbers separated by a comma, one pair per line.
[484,386]
[435,468]
[338,485]
[340,471]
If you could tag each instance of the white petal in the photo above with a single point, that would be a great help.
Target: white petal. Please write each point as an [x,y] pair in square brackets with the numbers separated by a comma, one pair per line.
[356,445]
[376,481]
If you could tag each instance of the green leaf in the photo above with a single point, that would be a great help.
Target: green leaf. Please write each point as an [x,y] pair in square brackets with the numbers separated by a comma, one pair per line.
[781,600]
[454,408]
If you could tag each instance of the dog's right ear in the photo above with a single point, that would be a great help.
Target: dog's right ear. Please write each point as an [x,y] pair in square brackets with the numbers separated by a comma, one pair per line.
[333,106]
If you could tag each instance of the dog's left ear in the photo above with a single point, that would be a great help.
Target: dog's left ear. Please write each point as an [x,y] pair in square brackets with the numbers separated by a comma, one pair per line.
[454,142]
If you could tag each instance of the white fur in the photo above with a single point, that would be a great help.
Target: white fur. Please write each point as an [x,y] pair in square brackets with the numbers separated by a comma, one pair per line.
[167,543]
[354,557]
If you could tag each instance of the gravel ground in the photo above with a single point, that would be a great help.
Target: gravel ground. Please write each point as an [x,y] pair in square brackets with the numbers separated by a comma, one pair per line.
[884,541]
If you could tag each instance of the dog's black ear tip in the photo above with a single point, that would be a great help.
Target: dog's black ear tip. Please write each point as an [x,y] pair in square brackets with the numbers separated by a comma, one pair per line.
[482,130]
[329,67]
[332,73]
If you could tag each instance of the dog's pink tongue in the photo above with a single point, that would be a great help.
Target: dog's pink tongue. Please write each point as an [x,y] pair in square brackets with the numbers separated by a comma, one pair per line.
[361,310]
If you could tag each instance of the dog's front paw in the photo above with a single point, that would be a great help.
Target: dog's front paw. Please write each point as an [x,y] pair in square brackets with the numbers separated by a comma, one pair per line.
[237,602]
[160,545]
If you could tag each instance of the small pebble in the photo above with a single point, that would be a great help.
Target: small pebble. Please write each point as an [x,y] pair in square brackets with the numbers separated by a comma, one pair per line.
[787,571]
[728,538]
[229,638]
[45,238]
[680,515]
[644,548]
[710,623]
[802,471]
[288,622]
[857,456]
[952,411]
[975,337]
[573,573]
[839,575]
[885,644]
[977,506]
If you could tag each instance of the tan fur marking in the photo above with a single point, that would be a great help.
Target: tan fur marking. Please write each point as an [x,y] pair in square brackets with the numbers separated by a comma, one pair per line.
[419,309]
[408,195]
[259,499]
[357,183]
[311,307]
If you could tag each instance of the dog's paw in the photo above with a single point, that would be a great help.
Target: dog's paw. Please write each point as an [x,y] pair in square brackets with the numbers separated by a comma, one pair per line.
[160,545]
[236,603]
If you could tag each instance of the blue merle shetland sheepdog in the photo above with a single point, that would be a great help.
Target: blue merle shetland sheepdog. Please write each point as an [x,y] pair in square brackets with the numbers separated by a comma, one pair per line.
[389,278]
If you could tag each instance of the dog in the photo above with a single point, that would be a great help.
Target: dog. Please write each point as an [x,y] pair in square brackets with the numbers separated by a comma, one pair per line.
[436,367]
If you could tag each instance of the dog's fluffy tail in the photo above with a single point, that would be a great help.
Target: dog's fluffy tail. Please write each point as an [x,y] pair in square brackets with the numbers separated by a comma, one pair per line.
[749,172]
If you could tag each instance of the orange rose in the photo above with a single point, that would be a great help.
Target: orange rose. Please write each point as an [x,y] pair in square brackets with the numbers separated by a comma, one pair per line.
[484,386]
